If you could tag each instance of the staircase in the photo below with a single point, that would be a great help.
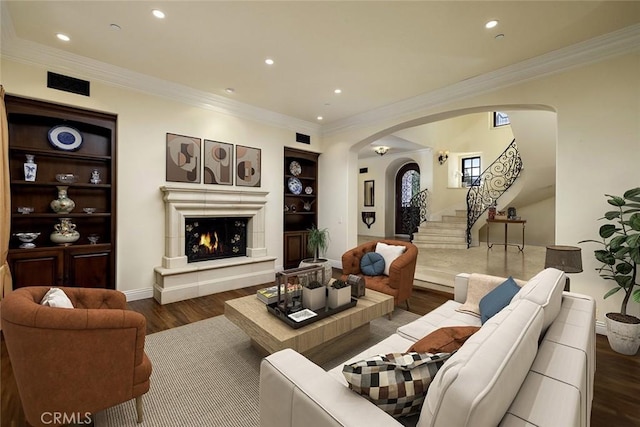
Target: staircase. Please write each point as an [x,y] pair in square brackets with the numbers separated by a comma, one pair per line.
[449,233]
[455,231]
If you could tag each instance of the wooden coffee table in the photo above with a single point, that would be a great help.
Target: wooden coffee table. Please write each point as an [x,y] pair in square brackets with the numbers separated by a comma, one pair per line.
[320,341]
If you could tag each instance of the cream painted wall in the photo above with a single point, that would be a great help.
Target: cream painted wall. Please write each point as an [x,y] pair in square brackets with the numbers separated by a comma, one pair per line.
[143,121]
[598,152]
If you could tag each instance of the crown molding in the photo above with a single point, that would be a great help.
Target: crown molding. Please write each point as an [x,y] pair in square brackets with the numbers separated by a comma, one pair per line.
[624,41]
[57,60]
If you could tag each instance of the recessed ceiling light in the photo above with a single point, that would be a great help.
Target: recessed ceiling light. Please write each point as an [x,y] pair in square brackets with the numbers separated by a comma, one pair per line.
[337,91]
[158,13]
[230,90]
[115,27]
[63,37]
[268,61]
[320,117]
[491,24]
[499,37]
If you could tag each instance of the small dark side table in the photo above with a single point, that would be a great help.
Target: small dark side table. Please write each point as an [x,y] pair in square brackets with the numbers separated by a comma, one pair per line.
[506,223]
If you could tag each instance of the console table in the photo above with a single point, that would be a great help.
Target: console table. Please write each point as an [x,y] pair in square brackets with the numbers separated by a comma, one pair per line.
[506,223]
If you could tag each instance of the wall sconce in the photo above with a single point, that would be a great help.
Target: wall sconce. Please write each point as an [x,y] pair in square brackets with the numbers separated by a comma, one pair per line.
[369,218]
[443,156]
[382,150]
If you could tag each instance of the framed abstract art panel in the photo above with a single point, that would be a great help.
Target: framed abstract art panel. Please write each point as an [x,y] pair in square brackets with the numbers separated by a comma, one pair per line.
[218,162]
[248,170]
[183,158]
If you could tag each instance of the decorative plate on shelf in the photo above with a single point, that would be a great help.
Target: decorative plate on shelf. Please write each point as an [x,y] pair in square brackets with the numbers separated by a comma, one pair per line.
[295,168]
[295,186]
[308,190]
[65,138]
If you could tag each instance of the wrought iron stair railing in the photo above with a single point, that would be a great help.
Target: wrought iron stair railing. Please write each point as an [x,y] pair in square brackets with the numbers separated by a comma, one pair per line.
[415,212]
[491,184]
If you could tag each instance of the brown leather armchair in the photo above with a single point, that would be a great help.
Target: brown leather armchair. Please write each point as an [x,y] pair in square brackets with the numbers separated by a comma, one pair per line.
[399,283]
[75,361]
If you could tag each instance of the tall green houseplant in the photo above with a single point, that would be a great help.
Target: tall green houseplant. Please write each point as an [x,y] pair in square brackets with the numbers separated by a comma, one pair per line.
[317,241]
[620,253]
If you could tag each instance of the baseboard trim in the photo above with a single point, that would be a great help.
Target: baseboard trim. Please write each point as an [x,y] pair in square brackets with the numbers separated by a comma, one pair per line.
[138,294]
[601,328]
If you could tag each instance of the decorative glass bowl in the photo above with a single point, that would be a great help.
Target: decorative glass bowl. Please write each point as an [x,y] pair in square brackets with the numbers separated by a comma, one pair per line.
[27,239]
[93,238]
[89,210]
[66,178]
[25,209]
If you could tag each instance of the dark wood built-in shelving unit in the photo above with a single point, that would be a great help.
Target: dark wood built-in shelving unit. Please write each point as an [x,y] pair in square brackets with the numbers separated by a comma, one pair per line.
[78,264]
[297,221]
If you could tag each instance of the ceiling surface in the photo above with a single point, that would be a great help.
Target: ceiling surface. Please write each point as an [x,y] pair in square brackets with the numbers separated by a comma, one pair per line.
[377,53]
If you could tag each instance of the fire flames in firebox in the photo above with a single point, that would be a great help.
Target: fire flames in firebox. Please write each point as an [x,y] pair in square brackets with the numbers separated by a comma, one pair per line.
[214,238]
[212,245]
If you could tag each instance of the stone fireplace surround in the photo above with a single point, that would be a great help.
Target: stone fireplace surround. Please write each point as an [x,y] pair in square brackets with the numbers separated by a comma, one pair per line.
[176,279]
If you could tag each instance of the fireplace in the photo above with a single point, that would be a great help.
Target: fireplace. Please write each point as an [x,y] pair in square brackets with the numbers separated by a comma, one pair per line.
[215,238]
[242,261]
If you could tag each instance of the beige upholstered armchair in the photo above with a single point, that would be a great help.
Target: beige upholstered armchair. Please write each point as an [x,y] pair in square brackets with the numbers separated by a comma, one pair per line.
[399,282]
[75,361]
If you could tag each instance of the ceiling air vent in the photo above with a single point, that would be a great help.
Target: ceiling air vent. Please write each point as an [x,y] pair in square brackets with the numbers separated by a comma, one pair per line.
[305,139]
[67,84]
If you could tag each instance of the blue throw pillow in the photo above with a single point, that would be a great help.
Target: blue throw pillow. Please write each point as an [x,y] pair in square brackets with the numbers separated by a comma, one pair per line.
[372,264]
[497,299]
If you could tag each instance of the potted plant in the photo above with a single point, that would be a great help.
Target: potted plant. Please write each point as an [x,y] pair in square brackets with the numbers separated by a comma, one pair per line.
[339,293]
[317,243]
[620,255]
[314,296]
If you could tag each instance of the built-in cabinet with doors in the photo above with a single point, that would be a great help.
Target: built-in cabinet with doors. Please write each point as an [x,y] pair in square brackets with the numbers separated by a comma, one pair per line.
[62,165]
[300,203]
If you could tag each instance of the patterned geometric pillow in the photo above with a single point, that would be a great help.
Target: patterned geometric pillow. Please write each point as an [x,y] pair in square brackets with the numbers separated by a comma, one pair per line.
[372,264]
[396,382]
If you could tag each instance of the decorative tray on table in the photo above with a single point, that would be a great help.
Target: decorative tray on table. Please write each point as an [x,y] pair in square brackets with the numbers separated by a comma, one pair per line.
[288,306]
[300,318]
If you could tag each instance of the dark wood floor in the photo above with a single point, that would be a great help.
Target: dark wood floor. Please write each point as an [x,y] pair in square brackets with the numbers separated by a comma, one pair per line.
[617,384]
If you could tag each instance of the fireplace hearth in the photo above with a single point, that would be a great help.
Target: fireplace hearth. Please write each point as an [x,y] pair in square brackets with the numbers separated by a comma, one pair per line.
[215,238]
[231,256]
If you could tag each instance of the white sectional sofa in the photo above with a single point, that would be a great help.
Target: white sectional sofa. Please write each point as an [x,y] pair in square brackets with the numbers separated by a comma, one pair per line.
[532,364]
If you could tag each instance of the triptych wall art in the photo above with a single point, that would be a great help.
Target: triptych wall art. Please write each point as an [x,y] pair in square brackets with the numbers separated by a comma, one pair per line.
[185,159]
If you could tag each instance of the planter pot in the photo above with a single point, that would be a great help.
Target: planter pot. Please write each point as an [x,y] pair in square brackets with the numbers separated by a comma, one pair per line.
[328,271]
[314,299]
[338,297]
[624,338]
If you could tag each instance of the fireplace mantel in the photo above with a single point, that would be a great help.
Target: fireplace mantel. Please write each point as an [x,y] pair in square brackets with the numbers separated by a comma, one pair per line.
[177,279]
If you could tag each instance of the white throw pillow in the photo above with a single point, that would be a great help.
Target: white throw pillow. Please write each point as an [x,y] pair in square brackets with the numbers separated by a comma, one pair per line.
[389,253]
[56,297]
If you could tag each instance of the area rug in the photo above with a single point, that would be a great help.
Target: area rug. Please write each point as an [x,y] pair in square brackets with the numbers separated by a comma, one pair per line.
[206,374]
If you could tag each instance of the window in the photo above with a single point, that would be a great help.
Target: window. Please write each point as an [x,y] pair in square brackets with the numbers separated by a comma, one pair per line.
[410,186]
[471,171]
[500,119]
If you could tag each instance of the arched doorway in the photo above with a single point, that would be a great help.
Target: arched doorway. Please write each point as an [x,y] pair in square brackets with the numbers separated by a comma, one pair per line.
[407,186]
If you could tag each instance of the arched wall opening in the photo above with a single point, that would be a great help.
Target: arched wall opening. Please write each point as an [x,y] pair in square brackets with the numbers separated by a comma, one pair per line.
[531,124]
